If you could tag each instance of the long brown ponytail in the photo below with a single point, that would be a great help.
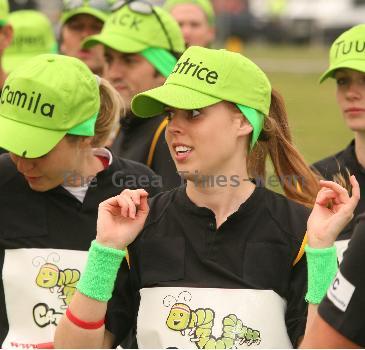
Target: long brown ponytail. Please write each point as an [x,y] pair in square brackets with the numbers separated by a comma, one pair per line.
[299,182]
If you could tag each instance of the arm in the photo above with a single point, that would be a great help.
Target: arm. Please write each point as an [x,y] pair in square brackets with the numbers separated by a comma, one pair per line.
[120,219]
[68,335]
[321,335]
[332,211]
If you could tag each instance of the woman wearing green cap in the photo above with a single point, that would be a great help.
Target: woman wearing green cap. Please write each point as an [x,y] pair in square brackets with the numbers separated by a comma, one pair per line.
[55,117]
[218,263]
[347,68]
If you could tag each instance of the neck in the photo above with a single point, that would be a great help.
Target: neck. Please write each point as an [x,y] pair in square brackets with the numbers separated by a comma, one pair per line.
[360,147]
[87,170]
[222,199]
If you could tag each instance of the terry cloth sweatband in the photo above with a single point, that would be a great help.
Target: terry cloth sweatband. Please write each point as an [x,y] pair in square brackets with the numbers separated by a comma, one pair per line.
[86,128]
[161,59]
[322,268]
[97,280]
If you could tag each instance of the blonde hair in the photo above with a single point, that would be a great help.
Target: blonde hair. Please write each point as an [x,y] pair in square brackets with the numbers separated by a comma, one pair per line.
[112,107]
[289,165]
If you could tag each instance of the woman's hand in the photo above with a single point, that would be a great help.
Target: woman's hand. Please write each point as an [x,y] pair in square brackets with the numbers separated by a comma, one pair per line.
[121,218]
[332,211]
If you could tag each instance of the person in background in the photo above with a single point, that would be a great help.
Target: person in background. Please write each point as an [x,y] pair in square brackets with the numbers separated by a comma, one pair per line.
[80,19]
[55,117]
[196,19]
[347,69]
[33,35]
[141,43]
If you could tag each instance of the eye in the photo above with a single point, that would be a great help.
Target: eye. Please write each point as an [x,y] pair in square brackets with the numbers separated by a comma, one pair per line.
[169,114]
[194,113]
[341,81]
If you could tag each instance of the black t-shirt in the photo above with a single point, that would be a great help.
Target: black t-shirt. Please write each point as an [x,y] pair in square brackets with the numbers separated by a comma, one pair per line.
[344,162]
[193,286]
[344,306]
[134,142]
[44,238]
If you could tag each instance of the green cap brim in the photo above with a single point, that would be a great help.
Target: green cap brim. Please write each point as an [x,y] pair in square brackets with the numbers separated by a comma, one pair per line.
[152,102]
[86,10]
[116,42]
[358,65]
[26,140]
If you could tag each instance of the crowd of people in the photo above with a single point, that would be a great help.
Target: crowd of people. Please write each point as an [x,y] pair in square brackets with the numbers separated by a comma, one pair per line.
[134,210]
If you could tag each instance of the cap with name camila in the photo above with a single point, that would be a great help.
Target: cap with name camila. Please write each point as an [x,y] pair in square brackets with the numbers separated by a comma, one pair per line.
[4,12]
[33,35]
[203,77]
[347,51]
[46,98]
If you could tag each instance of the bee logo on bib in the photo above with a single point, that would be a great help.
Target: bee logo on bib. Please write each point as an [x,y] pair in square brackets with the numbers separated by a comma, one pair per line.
[199,324]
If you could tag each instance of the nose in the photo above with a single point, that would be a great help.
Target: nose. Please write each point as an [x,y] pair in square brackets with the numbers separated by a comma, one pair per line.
[353,92]
[24,165]
[115,70]
[176,124]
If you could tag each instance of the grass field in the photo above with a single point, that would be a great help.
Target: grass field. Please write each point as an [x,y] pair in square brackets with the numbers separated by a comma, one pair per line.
[314,117]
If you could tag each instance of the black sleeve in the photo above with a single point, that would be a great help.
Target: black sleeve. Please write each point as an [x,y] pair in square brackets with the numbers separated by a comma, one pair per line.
[296,314]
[344,305]
[164,165]
[122,309]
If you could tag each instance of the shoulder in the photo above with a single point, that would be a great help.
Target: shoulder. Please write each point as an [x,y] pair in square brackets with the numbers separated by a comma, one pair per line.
[159,205]
[130,167]
[289,216]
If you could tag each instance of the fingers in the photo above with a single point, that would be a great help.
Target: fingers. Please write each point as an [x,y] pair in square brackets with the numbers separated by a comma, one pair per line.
[127,203]
[341,193]
[131,200]
[355,195]
[325,196]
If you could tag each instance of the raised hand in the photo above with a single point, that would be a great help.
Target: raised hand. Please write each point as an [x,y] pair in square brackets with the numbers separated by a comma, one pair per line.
[121,218]
[332,211]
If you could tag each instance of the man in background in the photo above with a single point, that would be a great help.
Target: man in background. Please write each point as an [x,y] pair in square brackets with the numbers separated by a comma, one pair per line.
[196,19]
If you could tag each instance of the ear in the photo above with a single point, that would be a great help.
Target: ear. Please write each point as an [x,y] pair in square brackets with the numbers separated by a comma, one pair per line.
[212,34]
[7,37]
[160,80]
[244,127]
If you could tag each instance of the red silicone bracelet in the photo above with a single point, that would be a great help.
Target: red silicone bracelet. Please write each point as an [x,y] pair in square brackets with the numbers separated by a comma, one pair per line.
[83,324]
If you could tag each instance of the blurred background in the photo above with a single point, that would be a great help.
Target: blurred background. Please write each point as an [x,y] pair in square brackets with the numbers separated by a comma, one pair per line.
[289,40]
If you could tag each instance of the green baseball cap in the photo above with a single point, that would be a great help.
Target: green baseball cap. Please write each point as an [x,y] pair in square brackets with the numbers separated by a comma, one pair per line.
[203,77]
[33,35]
[205,5]
[46,98]
[347,51]
[129,31]
[99,9]
[4,12]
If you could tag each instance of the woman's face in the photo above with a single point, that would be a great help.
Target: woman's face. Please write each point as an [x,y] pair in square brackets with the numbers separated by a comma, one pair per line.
[209,141]
[57,167]
[351,97]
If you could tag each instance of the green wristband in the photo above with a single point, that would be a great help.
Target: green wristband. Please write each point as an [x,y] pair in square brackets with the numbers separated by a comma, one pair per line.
[97,280]
[322,268]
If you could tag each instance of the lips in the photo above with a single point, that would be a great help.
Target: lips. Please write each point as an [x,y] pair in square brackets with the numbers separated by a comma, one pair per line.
[354,110]
[182,152]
